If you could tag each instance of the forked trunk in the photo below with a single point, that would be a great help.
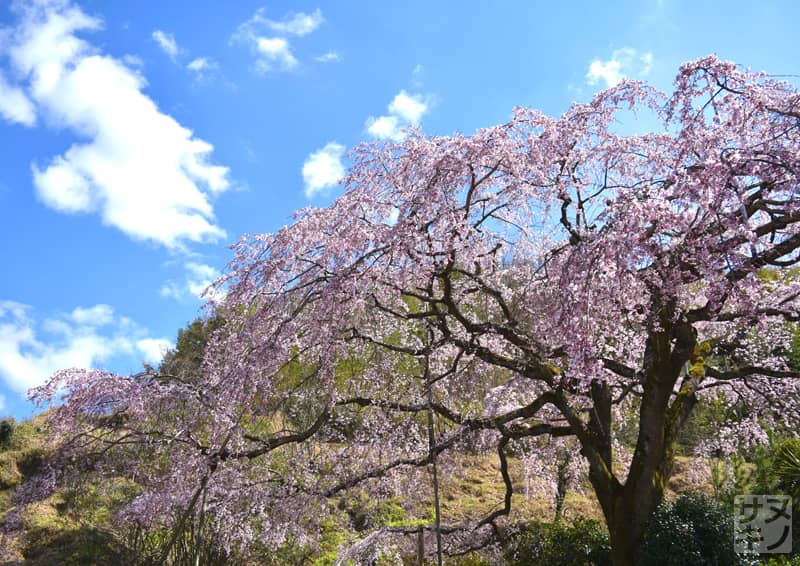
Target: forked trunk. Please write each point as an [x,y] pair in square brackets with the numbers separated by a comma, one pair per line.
[628,507]
[627,524]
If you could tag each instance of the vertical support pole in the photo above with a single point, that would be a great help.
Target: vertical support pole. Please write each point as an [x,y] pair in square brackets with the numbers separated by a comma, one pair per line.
[432,449]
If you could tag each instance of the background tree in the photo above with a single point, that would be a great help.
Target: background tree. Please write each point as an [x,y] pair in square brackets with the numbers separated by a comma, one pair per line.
[185,359]
[587,266]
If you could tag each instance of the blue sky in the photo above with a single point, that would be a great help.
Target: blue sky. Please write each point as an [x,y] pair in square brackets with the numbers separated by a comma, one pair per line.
[139,139]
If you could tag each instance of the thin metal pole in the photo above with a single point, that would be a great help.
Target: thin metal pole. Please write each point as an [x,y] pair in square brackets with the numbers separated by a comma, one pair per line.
[432,448]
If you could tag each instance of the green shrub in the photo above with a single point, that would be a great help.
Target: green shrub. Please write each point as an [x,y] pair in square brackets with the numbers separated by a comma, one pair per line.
[7,426]
[31,461]
[787,467]
[9,474]
[782,560]
[66,546]
[582,543]
[693,530]
[471,559]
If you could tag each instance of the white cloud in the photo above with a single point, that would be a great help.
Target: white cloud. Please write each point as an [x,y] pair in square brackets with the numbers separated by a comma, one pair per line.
[385,128]
[404,109]
[329,57]
[32,349]
[391,220]
[274,50]
[153,349]
[323,169]
[2,403]
[132,60]
[625,62]
[202,67]
[199,277]
[267,37]
[98,315]
[199,64]
[141,170]
[14,105]
[299,24]
[416,75]
[172,290]
[166,41]
[409,108]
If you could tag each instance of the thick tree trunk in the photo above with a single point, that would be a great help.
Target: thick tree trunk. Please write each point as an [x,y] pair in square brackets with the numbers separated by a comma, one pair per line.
[627,508]
[625,535]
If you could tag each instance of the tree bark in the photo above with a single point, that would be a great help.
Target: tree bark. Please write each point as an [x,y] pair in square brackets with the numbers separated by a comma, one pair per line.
[627,507]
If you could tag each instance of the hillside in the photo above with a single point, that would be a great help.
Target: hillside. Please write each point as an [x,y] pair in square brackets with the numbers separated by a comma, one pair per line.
[76,526]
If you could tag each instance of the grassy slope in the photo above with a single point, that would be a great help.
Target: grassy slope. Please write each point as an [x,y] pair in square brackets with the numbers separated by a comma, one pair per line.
[75,528]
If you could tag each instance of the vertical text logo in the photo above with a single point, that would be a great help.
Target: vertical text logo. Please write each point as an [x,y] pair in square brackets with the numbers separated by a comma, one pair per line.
[762,524]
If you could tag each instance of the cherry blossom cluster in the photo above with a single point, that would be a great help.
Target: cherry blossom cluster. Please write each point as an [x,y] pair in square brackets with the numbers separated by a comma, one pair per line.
[512,287]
